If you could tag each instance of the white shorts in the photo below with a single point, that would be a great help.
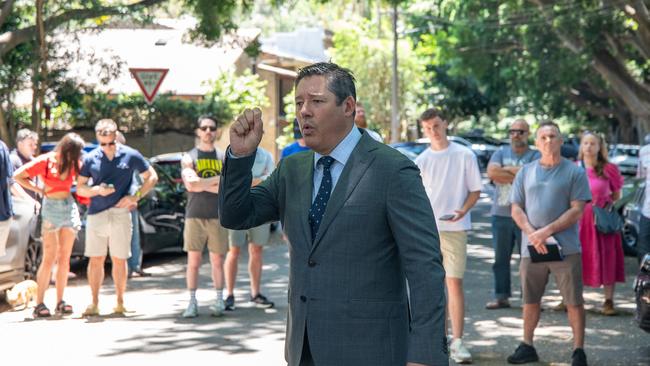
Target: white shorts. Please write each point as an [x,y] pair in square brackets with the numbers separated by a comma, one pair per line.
[5,227]
[109,231]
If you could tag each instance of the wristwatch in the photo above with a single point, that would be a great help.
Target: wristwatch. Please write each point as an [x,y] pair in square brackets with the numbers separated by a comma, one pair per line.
[138,194]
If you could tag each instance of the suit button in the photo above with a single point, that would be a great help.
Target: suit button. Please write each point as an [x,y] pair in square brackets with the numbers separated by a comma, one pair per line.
[311,263]
[303,298]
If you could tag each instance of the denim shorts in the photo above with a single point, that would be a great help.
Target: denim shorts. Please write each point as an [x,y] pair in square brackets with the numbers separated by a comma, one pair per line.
[59,213]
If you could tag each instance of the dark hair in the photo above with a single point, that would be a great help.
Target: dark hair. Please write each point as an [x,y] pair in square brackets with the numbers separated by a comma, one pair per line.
[206,116]
[340,81]
[548,122]
[432,113]
[69,149]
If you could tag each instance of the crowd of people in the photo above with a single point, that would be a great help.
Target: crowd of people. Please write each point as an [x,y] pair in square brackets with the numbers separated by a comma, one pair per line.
[362,221]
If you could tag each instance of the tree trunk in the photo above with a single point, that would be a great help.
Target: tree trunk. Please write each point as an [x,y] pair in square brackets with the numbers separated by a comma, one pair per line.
[641,122]
[40,70]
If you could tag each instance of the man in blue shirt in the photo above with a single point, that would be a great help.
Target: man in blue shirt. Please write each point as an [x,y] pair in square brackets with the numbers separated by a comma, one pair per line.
[108,227]
[297,146]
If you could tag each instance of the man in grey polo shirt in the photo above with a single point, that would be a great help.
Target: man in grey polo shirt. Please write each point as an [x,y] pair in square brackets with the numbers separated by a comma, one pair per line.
[548,197]
[502,168]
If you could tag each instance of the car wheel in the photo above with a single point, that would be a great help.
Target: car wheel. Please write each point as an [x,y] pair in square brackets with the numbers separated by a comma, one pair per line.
[33,257]
[629,239]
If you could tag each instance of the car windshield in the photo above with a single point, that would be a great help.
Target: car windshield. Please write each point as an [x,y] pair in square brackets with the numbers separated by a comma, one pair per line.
[482,140]
[629,151]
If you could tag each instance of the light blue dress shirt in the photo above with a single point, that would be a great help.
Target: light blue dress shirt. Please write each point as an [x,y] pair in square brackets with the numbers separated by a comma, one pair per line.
[341,154]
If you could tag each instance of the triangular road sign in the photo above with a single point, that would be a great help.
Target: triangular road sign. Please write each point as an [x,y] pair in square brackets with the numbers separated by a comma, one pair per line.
[149,81]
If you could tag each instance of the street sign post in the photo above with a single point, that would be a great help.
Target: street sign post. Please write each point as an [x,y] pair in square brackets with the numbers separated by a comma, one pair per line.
[149,81]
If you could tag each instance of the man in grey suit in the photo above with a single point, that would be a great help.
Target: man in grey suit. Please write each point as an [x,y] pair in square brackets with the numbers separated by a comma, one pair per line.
[359,225]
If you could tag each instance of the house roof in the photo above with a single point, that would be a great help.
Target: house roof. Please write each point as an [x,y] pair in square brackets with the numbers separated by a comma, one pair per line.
[190,64]
[303,44]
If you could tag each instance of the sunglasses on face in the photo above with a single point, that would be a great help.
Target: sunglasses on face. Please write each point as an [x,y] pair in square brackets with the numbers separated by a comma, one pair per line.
[112,143]
[517,132]
[205,128]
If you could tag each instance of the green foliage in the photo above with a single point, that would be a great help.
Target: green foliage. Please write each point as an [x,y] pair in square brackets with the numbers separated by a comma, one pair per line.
[509,54]
[233,93]
[215,17]
[357,48]
[286,136]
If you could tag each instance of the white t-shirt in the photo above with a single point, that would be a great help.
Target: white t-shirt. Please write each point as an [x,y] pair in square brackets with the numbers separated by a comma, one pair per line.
[449,176]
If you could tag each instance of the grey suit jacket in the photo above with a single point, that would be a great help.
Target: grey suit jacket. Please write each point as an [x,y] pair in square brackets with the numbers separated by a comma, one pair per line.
[347,289]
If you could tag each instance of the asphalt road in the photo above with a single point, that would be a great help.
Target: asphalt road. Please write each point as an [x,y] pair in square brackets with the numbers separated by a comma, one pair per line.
[153,333]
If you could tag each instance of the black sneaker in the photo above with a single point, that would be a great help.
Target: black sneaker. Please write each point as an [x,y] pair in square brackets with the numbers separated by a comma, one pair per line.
[523,354]
[262,302]
[230,303]
[579,358]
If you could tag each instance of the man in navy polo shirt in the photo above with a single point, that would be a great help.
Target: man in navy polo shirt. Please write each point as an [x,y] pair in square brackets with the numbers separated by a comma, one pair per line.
[108,227]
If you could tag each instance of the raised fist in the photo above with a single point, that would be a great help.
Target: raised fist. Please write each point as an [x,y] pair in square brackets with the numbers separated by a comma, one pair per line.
[246,132]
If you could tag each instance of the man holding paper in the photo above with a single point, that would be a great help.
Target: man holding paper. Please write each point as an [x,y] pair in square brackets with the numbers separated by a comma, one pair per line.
[548,197]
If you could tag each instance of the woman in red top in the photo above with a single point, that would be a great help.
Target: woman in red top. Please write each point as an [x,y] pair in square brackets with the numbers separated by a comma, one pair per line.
[60,216]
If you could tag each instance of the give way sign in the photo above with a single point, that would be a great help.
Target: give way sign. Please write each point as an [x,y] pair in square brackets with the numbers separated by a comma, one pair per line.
[149,81]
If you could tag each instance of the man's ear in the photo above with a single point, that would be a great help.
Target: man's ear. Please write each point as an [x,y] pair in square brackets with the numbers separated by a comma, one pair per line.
[350,106]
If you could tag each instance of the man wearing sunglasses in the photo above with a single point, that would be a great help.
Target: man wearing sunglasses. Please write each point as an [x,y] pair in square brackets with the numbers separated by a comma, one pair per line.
[502,168]
[108,227]
[201,171]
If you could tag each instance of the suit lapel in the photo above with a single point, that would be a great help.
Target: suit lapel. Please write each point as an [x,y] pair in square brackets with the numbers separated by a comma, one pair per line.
[352,173]
[304,192]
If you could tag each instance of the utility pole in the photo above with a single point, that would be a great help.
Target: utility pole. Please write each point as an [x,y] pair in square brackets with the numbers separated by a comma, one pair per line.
[394,115]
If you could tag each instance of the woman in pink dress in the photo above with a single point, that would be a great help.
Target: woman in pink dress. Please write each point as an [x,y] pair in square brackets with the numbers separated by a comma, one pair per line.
[602,254]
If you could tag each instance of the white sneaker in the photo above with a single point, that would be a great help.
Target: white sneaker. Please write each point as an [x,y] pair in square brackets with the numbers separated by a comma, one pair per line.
[218,308]
[192,310]
[458,353]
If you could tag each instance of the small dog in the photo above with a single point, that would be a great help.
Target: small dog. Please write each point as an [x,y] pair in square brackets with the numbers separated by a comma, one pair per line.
[22,293]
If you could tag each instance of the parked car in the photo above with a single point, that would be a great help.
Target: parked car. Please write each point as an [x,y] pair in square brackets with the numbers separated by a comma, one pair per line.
[410,148]
[631,204]
[482,151]
[24,250]
[570,147]
[50,145]
[626,157]
[161,211]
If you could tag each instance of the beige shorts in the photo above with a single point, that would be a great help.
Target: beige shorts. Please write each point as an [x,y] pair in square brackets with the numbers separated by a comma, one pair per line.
[568,277]
[453,245]
[259,235]
[199,232]
[109,231]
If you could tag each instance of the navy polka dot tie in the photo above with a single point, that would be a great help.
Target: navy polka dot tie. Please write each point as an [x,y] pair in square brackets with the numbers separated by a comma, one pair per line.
[317,209]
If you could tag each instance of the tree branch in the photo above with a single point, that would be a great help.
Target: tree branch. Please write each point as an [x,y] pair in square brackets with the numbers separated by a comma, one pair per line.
[639,12]
[7,7]
[9,40]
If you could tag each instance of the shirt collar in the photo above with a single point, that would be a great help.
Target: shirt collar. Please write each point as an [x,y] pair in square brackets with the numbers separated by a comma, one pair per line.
[343,150]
